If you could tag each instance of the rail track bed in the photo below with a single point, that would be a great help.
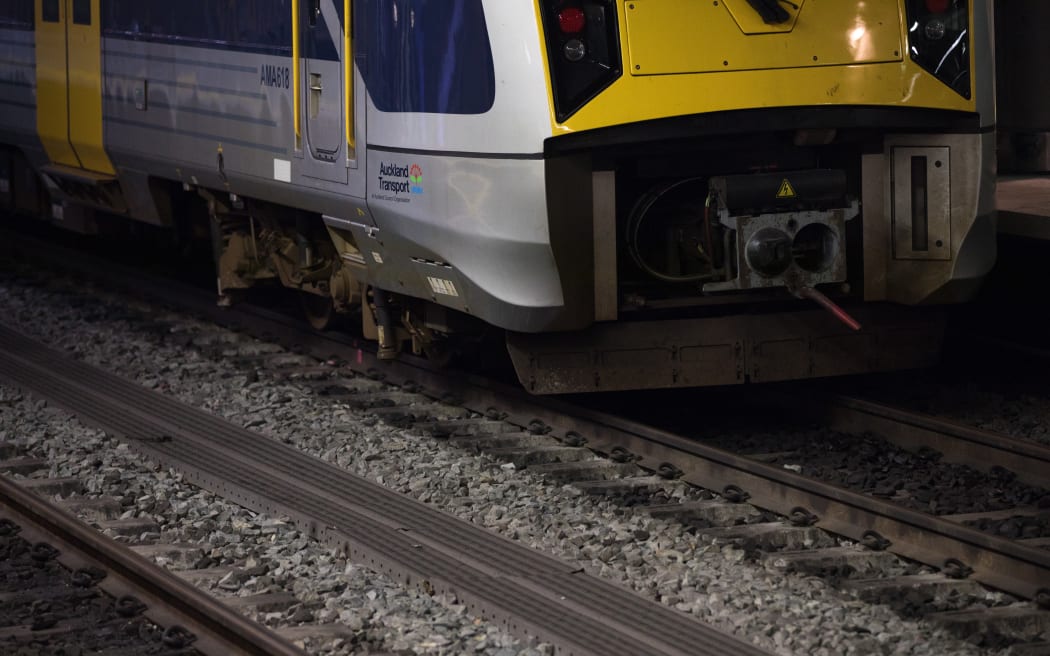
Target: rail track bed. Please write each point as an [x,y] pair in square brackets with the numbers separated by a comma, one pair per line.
[1008,396]
[548,437]
[260,565]
[67,588]
[525,590]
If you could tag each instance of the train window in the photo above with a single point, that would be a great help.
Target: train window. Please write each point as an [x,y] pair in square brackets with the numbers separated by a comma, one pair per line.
[123,17]
[16,14]
[195,21]
[264,25]
[82,12]
[255,26]
[49,11]
[428,56]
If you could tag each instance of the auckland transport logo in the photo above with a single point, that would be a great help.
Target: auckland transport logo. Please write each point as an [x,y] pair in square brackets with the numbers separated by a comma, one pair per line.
[396,180]
[415,179]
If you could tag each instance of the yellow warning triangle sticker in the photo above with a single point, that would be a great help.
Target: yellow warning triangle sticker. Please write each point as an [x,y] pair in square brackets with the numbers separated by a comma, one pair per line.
[786,190]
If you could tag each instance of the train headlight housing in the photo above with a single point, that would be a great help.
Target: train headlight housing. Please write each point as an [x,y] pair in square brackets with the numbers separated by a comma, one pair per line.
[939,40]
[768,252]
[935,30]
[574,50]
[583,47]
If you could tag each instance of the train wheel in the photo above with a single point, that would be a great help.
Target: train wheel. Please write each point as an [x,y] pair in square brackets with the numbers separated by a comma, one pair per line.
[440,352]
[319,310]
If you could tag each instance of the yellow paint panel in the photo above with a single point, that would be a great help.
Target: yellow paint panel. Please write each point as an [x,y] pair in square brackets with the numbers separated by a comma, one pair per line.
[85,90]
[687,36]
[890,85]
[899,83]
[52,101]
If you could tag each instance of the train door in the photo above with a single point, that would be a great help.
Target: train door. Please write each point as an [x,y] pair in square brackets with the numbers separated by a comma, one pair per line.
[325,89]
[69,83]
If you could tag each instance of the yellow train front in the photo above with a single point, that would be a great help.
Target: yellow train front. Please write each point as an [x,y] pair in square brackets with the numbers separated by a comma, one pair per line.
[744,162]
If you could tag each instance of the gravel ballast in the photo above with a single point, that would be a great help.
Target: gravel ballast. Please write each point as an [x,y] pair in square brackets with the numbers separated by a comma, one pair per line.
[1019,409]
[267,554]
[787,613]
[920,481]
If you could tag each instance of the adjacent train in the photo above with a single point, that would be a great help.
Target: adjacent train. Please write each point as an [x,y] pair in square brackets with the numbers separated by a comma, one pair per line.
[637,193]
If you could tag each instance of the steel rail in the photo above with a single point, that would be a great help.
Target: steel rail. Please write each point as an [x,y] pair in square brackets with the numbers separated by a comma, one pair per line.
[1019,569]
[1017,352]
[979,448]
[169,600]
[1004,564]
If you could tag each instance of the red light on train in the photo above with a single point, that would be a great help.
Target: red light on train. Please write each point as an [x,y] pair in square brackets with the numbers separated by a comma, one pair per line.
[571,20]
[937,6]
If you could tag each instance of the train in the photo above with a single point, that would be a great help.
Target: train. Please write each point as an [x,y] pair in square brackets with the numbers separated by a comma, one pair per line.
[630,193]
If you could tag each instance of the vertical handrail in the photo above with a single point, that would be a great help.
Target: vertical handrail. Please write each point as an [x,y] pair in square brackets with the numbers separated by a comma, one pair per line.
[348,67]
[297,89]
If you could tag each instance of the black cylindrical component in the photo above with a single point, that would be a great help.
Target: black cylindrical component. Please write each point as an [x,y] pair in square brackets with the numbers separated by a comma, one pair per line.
[388,347]
[768,252]
[756,192]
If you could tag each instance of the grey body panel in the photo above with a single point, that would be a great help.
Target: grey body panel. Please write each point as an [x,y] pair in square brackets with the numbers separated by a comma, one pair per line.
[324,154]
[486,217]
[937,276]
[482,221]
[197,103]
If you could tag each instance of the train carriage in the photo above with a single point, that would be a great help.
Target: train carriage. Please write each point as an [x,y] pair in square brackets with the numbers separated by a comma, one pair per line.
[640,193]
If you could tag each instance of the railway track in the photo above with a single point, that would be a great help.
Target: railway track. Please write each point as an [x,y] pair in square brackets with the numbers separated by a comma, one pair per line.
[258,564]
[981,449]
[527,592]
[55,609]
[547,435]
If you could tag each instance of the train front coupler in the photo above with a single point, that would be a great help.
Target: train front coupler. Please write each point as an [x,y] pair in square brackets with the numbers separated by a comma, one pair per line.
[783,229]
